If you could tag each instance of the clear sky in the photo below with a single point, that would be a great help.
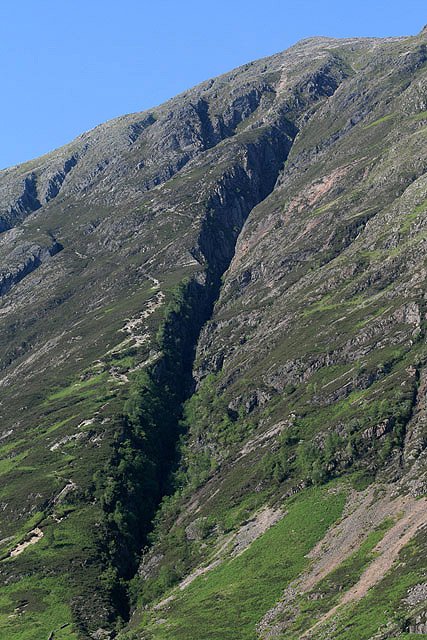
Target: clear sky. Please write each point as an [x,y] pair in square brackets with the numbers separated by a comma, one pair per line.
[67,65]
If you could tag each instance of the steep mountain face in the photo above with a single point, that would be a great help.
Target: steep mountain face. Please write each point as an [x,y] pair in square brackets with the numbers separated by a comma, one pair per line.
[213,360]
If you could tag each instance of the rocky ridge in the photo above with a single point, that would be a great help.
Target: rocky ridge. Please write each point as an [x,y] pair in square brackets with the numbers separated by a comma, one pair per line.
[220,301]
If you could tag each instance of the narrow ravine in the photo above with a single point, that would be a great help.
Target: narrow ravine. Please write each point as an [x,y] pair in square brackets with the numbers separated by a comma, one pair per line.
[138,475]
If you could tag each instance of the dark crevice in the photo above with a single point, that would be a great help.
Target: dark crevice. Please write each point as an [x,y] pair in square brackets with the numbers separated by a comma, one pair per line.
[137,128]
[55,183]
[214,130]
[29,263]
[32,199]
[26,204]
[138,475]
[209,136]
[209,130]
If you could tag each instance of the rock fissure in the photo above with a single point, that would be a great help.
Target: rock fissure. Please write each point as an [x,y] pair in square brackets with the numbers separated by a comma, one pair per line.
[237,321]
[29,259]
[168,383]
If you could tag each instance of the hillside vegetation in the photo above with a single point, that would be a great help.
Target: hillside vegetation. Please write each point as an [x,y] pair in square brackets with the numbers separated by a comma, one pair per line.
[213,361]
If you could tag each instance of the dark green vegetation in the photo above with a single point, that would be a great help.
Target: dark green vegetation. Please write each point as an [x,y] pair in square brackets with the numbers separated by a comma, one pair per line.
[212,352]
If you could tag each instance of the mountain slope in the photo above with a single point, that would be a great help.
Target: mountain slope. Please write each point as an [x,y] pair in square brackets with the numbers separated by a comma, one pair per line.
[222,301]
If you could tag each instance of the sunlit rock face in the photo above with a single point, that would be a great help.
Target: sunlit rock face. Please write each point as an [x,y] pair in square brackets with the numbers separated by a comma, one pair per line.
[212,356]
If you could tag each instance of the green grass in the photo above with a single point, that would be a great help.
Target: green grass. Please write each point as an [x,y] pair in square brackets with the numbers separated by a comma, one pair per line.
[325,207]
[30,611]
[421,207]
[82,388]
[10,446]
[230,600]
[20,535]
[326,304]
[58,425]
[422,115]
[408,221]
[49,579]
[7,464]
[330,589]
[383,603]
[381,120]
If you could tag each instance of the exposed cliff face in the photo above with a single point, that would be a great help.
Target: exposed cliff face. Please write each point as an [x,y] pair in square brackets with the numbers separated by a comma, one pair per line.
[229,288]
[23,260]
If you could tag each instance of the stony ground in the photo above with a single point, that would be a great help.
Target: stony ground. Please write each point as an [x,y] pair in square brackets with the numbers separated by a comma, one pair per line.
[212,360]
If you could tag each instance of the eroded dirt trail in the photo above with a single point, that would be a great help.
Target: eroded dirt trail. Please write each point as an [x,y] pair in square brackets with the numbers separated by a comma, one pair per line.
[233,545]
[413,518]
[34,536]
[363,513]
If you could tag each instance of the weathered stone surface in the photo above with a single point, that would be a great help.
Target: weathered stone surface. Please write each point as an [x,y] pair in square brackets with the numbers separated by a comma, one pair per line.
[289,198]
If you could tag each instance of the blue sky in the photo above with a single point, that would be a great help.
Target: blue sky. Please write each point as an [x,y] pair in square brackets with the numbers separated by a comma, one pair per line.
[67,65]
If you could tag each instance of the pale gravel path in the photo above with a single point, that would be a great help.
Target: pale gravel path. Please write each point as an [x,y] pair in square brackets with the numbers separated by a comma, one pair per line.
[36,535]
[363,513]
[233,545]
[414,517]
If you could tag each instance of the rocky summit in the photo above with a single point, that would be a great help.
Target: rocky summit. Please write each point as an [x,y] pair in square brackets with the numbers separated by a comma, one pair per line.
[213,361]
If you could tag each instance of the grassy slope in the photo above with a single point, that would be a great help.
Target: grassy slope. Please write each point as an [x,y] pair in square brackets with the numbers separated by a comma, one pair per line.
[31,471]
[230,600]
[384,603]
[36,610]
